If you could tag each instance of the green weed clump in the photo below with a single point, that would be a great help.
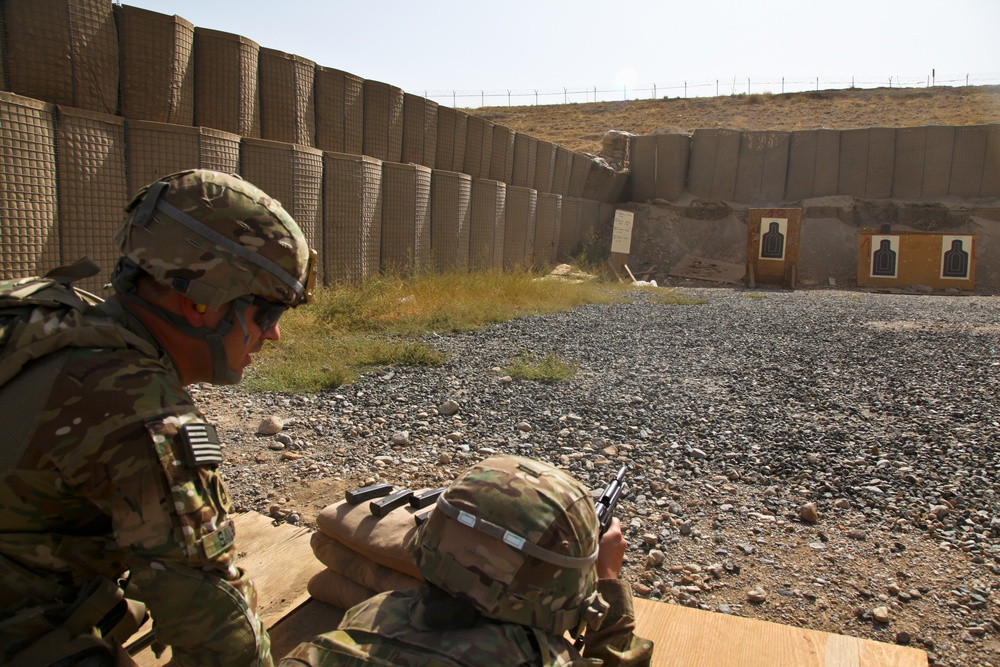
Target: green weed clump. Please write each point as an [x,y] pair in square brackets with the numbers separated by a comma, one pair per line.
[350,329]
[676,299]
[550,368]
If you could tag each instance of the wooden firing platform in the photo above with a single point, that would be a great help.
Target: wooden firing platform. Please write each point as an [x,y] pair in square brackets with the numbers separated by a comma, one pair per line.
[280,561]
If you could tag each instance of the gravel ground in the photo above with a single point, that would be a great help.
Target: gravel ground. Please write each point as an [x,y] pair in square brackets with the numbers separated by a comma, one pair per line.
[823,459]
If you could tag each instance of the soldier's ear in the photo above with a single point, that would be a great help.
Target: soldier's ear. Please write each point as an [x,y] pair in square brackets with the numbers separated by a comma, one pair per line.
[194,313]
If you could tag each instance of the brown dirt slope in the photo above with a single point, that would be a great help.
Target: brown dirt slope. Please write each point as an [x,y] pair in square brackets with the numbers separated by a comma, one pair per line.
[580,127]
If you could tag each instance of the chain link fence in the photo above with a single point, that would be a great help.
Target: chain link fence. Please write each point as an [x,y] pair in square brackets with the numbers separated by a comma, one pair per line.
[695,88]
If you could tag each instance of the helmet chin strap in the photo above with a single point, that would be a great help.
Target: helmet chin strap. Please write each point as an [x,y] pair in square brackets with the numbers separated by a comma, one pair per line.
[221,372]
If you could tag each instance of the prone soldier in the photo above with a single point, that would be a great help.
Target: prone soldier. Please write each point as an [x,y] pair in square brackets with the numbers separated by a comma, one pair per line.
[513,561]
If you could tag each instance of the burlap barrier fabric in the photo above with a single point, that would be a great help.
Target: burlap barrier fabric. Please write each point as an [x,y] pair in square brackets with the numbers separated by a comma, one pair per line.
[352,231]
[525,152]
[548,223]
[419,130]
[908,177]
[520,216]
[489,199]
[579,171]
[478,147]
[673,154]
[545,164]
[644,149]
[29,222]
[990,185]
[292,174]
[563,171]
[287,97]
[381,540]
[590,217]
[451,133]
[451,201]
[227,90]
[63,51]
[762,167]
[937,161]
[569,229]
[406,231]
[158,149]
[968,160]
[881,162]
[339,111]
[813,164]
[157,66]
[502,157]
[383,126]
[92,188]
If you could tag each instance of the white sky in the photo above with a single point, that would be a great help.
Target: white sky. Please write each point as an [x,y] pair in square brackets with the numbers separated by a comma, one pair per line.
[481,50]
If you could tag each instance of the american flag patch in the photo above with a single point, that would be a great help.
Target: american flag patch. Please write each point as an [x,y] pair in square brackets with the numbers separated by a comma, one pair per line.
[202,444]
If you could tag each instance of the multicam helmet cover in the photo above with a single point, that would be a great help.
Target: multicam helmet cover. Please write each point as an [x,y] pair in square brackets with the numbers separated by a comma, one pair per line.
[214,237]
[518,539]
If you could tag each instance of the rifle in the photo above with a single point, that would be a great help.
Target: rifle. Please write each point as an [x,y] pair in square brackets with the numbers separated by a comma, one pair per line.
[609,498]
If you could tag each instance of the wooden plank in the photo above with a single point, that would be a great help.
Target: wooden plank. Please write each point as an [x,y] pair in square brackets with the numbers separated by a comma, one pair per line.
[683,636]
[280,561]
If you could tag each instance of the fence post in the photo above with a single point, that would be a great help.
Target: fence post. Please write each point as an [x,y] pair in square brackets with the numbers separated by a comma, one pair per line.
[482,97]
[536,97]
[782,85]
[508,97]
[565,96]
[654,91]
[625,92]
[454,103]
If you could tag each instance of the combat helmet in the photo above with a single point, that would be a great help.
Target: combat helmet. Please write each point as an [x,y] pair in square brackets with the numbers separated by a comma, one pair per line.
[217,239]
[518,539]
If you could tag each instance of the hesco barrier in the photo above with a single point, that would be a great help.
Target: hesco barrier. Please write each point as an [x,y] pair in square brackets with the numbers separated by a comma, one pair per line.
[569,230]
[486,224]
[406,229]
[478,147]
[545,165]
[226,90]
[502,159]
[157,77]
[91,186]
[340,114]
[451,212]
[383,127]
[771,167]
[352,233]
[452,125]
[158,149]
[525,152]
[287,97]
[41,35]
[419,130]
[562,171]
[29,215]
[519,226]
[293,175]
[548,224]
[222,88]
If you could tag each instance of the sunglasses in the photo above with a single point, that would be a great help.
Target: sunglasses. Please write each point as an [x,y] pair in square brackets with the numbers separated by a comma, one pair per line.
[268,313]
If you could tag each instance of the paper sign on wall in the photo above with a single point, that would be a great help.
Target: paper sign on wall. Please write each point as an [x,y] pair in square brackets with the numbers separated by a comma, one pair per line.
[621,238]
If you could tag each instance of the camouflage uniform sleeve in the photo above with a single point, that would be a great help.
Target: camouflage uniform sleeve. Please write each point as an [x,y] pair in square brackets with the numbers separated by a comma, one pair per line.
[616,643]
[182,554]
[170,514]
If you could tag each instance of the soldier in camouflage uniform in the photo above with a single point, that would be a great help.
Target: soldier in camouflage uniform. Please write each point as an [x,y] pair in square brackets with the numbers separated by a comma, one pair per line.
[109,467]
[514,573]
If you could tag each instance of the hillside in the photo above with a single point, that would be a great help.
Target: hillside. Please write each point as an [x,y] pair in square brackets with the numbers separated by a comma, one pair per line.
[580,127]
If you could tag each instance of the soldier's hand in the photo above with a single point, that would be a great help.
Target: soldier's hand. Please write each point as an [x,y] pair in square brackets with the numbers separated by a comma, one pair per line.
[611,552]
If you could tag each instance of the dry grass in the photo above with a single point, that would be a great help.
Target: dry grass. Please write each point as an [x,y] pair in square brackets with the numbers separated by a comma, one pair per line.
[580,127]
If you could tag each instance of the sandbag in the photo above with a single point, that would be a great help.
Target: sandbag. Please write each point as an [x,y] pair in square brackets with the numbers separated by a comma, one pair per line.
[382,540]
[336,589]
[344,560]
